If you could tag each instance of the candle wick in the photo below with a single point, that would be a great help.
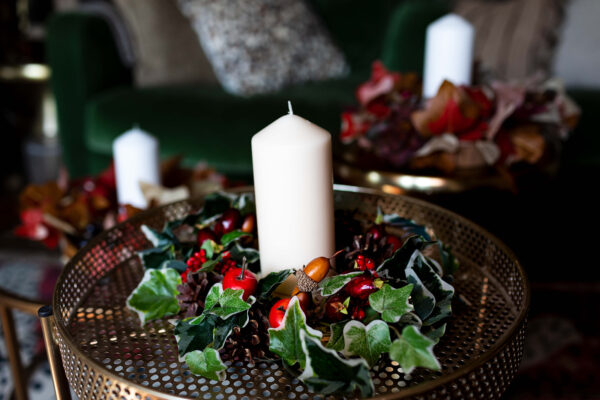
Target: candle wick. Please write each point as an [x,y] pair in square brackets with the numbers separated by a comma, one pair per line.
[291,112]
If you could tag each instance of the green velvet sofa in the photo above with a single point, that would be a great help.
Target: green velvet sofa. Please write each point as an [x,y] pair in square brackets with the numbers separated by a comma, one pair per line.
[97,100]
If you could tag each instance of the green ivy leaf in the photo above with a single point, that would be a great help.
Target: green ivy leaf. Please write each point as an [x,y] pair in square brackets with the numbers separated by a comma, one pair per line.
[391,303]
[208,266]
[334,284]
[336,341]
[232,236]
[326,372]
[393,267]
[413,350]
[214,204]
[224,327]
[206,363]
[368,341]
[155,296]
[407,225]
[211,248]
[225,303]
[285,340]
[437,333]
[245,203]
[156,257]
[269,283]
[195,333]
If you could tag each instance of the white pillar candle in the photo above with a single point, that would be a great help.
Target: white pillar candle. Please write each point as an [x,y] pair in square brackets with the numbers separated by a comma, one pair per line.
[448,53]
[293,183]
[136,160]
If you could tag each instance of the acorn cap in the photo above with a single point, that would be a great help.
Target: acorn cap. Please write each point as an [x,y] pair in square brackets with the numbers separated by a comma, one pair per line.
[305,283]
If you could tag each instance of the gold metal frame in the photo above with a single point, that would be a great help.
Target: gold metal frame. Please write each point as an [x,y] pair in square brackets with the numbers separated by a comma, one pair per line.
[107,355]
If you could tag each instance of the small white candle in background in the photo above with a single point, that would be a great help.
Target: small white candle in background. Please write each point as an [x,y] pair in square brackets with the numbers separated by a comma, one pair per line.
[293,183]
[448,53]
[136,159]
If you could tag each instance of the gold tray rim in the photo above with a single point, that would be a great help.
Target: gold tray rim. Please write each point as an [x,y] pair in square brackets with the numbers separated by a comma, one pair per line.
[418,389]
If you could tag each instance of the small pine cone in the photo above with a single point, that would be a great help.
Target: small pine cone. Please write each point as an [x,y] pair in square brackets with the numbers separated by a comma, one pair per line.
[193,292]
[250,342]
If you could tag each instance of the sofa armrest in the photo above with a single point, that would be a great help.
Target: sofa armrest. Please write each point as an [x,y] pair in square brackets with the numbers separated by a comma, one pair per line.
[84,61]
[404,42]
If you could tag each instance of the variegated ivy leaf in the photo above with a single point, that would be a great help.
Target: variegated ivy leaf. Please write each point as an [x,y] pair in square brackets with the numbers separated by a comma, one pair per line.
[391,303]
[334,284]
[336,340]
[407,225]
[157,238]
[285,340]
[206,363]
[269,283]
[225,303]
[368,341]
[157,257]
[414,349]
[155,296]
[326,372]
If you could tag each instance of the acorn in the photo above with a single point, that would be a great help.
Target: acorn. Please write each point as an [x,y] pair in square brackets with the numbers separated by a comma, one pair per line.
[312,274]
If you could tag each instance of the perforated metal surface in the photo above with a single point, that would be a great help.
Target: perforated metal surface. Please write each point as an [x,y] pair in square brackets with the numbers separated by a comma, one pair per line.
[107,355]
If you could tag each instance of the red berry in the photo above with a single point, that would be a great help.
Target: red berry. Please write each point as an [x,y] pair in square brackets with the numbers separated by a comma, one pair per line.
[360,287]
[229,221]
[278,312]
[369,264]
[240,278]
[395,242]
[358,313]
[378,231]
[335,309]
[205,234]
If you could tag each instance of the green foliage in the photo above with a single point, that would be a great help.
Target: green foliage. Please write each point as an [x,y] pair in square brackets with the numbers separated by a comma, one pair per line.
[269,283]
[414,349]
[155,295]
[368,342]
[206,363]
[391,303]
[334,284]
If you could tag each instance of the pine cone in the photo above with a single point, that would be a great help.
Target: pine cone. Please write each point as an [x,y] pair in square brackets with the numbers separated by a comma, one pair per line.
[250,342]
[193,292]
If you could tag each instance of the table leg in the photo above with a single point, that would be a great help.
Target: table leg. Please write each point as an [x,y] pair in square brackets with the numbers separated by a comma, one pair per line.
[61,385]
[14,356]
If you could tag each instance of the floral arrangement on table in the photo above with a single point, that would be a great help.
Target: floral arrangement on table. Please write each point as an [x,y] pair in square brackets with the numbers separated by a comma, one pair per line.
[462,127]
[385,296]
[72,211]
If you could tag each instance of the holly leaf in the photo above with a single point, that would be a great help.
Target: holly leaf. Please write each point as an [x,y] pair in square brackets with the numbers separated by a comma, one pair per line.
[368,341]
[238,253]
[206,363]
[422,274]
[391,303]
[269,283]
[159,239]
[336,341]
[225,303]
[393,267]
[155,296]
[450,263]
[326,372]
[285,340]
[414,349]
[232,236]
[407,225]
[156,257]
[195,333]
[334,284]
[177,265]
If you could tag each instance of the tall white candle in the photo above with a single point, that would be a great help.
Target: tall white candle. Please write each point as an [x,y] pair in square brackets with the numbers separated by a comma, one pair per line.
[136,159]
[448,53]
[293,182]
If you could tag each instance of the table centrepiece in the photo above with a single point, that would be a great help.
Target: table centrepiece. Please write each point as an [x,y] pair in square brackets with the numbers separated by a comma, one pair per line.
[108,353]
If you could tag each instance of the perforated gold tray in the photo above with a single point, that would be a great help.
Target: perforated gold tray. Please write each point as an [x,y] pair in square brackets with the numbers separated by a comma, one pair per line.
[107,355]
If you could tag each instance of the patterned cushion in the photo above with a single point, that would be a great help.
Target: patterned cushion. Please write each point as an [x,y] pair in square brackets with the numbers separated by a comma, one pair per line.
[259,46]
[515,39]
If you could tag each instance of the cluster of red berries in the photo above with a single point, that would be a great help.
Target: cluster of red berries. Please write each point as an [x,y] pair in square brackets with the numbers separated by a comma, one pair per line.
[225,264]
[198,258]
[363,263]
